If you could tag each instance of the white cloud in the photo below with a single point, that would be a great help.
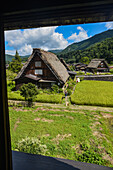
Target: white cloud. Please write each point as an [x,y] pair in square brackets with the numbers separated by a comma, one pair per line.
[25,50]
[109,25]
[11,52]
[45,38]
[82,35]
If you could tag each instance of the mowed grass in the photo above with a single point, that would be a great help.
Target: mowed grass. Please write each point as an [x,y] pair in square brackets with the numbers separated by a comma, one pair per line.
[67,133]
[97,93]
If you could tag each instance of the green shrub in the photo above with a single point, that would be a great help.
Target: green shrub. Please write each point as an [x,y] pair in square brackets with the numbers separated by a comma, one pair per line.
[10,85]
[55,88]
[32,145]
[80,73]
[68,92]
[91,156]
[111,71]
[15,96]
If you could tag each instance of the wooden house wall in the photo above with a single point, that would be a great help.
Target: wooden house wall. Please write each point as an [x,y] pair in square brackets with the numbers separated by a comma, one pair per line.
[104,65]
[19,82]
[47,74]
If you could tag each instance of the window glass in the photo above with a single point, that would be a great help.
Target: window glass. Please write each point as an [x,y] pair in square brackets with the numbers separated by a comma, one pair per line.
[38,71]
[38,64]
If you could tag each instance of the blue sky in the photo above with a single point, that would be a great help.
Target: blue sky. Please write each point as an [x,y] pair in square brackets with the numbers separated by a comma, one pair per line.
[50,38]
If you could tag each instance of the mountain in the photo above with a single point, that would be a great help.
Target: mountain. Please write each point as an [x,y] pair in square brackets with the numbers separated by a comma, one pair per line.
[100,50]
[55,51]
[88,42]
[9,58]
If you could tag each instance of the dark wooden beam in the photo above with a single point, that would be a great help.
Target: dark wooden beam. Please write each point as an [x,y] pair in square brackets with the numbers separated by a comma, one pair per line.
[5,142]
[76,13]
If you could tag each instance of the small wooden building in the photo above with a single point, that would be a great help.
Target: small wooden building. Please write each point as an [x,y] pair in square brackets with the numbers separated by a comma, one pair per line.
[80,67]
[43,69]
[98,65]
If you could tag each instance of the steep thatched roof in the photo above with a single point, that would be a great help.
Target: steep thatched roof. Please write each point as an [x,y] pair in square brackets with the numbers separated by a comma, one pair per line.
[65,64]
[52,62]
[95,63]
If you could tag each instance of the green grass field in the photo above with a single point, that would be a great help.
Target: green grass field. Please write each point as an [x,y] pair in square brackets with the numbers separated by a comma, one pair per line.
[96,93]
[67,133]
[43,98]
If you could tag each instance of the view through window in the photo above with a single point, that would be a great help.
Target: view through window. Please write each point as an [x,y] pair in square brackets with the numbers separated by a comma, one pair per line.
[60,91]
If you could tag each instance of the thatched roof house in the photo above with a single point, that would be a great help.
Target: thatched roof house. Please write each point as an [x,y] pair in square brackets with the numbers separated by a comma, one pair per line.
[71,73]
[99,65]
[80,67]
[43,69]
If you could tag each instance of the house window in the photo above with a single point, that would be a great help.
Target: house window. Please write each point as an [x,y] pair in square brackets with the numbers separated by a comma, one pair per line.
[39,71]
[37,63]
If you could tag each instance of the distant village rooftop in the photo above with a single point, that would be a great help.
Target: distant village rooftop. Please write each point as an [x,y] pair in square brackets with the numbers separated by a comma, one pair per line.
[99,65]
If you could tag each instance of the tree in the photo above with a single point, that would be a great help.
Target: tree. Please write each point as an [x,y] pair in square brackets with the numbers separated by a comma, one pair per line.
[29,91]
[17,57]
[16,65]
[85,60]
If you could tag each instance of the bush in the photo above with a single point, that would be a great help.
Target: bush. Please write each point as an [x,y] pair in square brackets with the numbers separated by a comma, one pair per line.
[43,98]
[55,88]
[32,145]
[15,96]
[68,92]
[29,91]
[91,157]
[111,71]
[10,85]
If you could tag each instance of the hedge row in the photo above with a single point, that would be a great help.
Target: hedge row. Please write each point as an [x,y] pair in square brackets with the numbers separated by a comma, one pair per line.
[43,98]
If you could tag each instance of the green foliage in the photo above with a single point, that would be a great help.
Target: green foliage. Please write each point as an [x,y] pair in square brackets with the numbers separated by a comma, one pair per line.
[69,92]
[10,75]
[17,57]
[10,85]
[103,49]
[29,91]
[41,97]
[80,73]
[91,157]
[97,93]
[85,60]
[32,145]
[89,42]
[16,65]
[55,88]
[111,71]
[15,95]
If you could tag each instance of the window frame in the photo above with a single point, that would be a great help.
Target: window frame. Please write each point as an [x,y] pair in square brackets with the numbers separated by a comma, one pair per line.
[38,64]
[38,72]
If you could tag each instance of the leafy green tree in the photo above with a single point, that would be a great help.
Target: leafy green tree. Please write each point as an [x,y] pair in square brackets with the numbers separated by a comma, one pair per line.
[10,75]
[16,65]
[29,91]
[85,60]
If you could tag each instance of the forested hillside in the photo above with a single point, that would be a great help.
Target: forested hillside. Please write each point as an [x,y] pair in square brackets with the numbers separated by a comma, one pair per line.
[9,58]
[102,49]
[88,42]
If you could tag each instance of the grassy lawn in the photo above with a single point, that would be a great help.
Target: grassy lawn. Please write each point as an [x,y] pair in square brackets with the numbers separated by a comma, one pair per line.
[96,93]
[82,135]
